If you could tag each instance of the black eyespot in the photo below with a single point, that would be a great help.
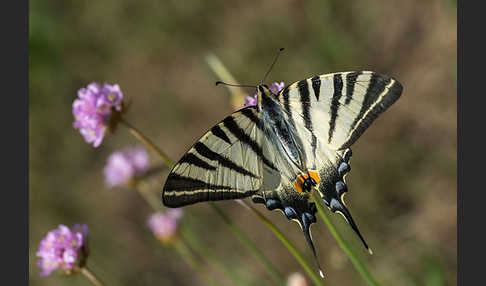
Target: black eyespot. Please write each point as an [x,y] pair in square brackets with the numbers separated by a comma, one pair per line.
[340,188]
[290,213]
[273,204]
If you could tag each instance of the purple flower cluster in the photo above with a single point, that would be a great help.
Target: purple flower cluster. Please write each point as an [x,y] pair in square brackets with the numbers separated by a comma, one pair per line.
[62,248]
[274,88]
[164,225]
[122,166]
[251,100]
[93,108]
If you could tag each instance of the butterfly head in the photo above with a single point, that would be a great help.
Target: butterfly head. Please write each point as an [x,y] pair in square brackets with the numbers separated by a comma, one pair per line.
[263,90]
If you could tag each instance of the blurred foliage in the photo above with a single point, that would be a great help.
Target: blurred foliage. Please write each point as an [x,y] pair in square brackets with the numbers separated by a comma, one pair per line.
[403,183]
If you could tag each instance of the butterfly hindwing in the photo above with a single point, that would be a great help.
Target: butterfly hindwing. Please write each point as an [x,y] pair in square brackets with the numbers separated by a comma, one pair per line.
[226,163]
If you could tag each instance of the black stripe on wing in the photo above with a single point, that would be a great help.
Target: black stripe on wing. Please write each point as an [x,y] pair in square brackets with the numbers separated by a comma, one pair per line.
[218,132]
[382,92]
[250,114]
[305,101]
[204,151]
[316,85]
[286,102]
[376,86]
[180,191]
[208,169]
[338,89]
[193,160]
[240,134]
[350,82]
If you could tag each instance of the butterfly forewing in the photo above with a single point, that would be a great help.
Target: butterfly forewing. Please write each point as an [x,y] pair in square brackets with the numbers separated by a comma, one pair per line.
[224,164]
[337,108]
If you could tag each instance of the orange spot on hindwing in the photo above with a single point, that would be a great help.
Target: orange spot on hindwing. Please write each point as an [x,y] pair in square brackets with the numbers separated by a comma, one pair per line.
[299,182]
[314,175]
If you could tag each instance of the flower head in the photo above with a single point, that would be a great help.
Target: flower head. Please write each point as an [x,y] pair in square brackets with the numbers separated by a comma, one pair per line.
[296,279]
[93,110]
[251,100]
[274,88]
[164,225]
[125,165]
[62,248]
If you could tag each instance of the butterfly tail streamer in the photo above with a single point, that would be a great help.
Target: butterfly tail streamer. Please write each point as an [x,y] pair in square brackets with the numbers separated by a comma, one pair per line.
[306,229]
[337,206]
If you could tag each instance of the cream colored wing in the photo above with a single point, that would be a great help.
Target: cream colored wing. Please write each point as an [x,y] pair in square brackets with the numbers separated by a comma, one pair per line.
[337,108]
[226,163]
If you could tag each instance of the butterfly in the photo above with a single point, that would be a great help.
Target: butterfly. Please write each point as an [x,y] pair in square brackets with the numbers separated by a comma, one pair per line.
[289,144]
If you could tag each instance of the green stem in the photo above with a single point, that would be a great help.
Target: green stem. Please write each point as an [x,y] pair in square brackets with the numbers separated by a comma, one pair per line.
[203,250]
[238,97]
[276,276]
[139,135]
[181,245]
[91,277]
[184,251]
[317,280]
[149,197]
[344,246]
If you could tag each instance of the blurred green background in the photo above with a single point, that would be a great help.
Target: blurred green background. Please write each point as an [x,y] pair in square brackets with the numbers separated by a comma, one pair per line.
[403,180]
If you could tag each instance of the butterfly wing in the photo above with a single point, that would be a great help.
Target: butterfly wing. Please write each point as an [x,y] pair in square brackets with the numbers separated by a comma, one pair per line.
[226,163]
[337,108]
[330,112]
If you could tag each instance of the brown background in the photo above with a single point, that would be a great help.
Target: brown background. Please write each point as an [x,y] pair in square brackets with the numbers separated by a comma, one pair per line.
[403,179]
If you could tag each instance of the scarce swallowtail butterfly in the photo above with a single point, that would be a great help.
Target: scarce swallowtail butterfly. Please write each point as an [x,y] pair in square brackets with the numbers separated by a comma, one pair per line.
[286,146]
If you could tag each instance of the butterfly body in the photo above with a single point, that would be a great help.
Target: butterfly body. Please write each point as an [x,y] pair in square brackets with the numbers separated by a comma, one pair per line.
[290,144]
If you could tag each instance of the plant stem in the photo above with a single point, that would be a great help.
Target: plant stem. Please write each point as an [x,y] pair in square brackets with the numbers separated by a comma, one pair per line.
[181,246]
[203,250]
[344,246]
[317,280]
[239,234]
[91,277]
[139,135]
[149,197]
[184,250]
[238,97]
[276,276]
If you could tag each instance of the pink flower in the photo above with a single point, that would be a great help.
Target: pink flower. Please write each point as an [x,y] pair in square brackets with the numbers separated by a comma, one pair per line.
[62,248]
[93,108]
[125,165]
[274,88]
[164,225]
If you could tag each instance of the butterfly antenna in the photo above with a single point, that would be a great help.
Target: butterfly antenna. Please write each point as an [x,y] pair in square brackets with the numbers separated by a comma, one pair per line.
[236,85]
[306,229]
[273,63]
